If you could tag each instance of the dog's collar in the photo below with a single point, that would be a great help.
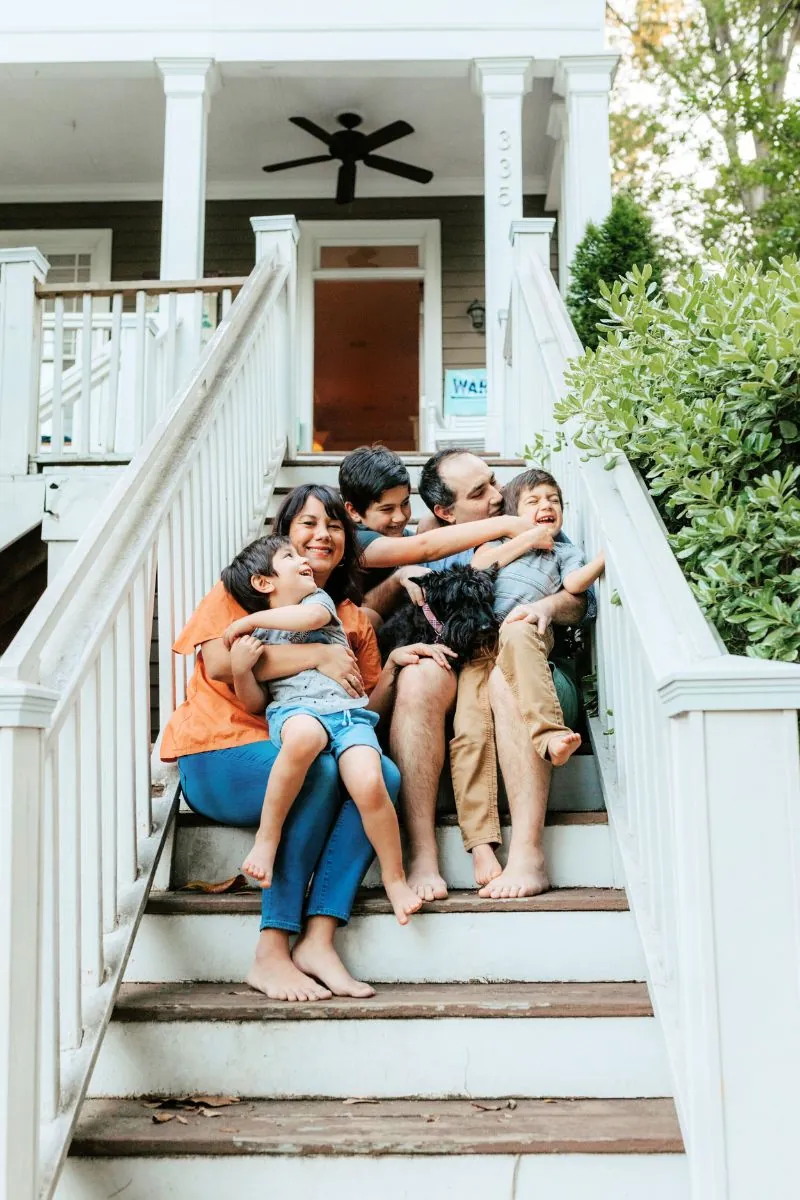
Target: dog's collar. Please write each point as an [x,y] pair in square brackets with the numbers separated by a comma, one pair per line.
[432,620]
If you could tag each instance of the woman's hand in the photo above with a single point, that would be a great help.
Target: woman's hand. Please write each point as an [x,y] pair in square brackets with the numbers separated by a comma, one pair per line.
[408,656]
[415,592]
[245,653]
[236,629]
[339,664]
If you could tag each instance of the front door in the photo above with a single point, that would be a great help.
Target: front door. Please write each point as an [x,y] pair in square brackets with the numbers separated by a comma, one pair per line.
[371,324]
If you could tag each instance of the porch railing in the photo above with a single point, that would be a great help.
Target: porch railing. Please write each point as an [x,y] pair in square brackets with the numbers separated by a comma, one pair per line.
[81,825]
[698,751]
[112,356]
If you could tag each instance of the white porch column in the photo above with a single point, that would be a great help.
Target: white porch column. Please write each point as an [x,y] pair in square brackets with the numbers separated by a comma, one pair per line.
[277,237]
[526,410]
[502,83]
[20,271]
[585,186]
[188,84]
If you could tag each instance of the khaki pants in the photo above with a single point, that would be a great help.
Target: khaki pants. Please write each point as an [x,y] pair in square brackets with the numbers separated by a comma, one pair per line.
[522,657]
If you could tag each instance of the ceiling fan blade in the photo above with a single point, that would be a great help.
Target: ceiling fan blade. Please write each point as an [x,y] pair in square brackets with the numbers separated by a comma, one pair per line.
[312,128]
[389,133]
[298,162]
[393,167]
[346,183]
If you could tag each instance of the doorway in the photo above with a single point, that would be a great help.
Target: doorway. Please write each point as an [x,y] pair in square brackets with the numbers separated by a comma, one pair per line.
[371,341]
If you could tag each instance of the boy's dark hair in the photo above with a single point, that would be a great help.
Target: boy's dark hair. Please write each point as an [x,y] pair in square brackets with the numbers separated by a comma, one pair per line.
[345,580]
[256,559]
[432,487]
[526,482]
[368,472]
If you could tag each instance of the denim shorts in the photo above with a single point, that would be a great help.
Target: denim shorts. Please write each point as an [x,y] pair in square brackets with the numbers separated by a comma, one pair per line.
[346,728]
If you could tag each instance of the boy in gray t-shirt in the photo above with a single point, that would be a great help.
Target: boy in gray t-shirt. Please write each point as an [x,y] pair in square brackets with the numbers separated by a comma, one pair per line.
[310,713]
[527,573]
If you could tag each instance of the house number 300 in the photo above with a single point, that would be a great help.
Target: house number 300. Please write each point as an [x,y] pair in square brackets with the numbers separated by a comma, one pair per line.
[504,168]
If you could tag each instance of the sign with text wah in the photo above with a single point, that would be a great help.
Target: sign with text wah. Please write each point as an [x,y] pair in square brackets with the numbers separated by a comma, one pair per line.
[465,392]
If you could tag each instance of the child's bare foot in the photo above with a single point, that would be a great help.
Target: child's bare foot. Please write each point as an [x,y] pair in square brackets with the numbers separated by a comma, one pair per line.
[280,979]
[485,864]
[561,747]
[403,900]
[260,861]
[322,961]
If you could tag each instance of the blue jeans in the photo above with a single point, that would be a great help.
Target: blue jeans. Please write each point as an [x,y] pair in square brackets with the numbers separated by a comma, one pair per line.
[322,837]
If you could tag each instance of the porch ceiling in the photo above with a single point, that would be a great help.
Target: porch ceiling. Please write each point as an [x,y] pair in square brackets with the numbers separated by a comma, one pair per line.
[95,135]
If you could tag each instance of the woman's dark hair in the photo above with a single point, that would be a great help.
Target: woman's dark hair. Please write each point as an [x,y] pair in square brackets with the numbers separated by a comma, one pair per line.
[345,582]
[368,472]
[255,559]
[526,482]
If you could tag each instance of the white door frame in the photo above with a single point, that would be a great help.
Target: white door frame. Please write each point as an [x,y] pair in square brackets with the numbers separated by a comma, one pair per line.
[423,233]
[96,242]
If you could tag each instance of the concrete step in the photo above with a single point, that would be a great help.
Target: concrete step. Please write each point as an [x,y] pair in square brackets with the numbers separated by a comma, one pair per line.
[577,845]
[320,468]
[590,1039]
[570,935]
[398,1150]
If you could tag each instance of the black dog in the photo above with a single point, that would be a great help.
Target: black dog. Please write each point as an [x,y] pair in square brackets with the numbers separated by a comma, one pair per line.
[458,612]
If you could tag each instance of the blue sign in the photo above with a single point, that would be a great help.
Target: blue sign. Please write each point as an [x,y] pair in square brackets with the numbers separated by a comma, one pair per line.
[465,392]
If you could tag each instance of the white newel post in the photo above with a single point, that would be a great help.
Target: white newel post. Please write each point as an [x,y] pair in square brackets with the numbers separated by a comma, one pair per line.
[527,407]
[736,781]
[278,237]
[25,711]
[188,84]
[502,83]
[20,271]
[585,191]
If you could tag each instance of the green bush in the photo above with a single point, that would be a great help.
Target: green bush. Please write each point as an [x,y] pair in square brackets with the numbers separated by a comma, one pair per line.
[624,240]
[700,388]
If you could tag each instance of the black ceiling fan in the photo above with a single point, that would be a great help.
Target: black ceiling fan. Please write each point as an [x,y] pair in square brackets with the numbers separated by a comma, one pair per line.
[352,147]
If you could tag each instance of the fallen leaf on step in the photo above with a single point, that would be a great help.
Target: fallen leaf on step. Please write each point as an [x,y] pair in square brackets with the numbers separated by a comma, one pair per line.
[157,789]
[549,1100]
[487,1107]
[161,1117]
[511,1104]
[215,1101]
[430,1120]
[181,1119]
[236,883]
[358,1100]
[210,1112]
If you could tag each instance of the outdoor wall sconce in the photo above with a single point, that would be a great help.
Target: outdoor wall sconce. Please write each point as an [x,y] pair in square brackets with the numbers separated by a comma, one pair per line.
[477,314]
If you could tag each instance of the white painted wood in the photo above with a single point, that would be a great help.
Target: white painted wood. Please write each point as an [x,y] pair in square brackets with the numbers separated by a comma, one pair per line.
[585,193]
[445,1058]
[528,1177]
[20,271]
[434,948]
[501,83]
[577,855]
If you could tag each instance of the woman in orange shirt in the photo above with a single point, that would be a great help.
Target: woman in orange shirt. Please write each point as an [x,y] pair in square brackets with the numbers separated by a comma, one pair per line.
[225,756]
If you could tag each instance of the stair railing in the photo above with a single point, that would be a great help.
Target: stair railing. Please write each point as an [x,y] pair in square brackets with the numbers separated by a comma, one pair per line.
[698,752]
[84,800]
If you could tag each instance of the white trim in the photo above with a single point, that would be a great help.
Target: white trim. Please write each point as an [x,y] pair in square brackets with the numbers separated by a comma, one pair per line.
[248,189]
[96,242]
[423,233]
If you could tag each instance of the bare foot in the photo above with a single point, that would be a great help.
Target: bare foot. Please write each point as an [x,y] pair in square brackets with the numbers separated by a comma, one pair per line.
[324,964]
[424,879]
[561,747]
[403,899]
[524,875]
[280,979]
[260,861]
[485,864]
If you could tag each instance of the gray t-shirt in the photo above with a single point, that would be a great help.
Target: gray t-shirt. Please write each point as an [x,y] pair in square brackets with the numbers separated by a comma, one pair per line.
[310,688]
[533,575]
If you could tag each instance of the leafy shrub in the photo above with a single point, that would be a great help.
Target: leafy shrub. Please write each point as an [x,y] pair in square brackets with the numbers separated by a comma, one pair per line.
[701,389]
[607,252]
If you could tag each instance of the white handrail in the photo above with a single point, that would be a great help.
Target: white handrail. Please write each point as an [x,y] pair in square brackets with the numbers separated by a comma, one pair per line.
[76,759]
[677,739]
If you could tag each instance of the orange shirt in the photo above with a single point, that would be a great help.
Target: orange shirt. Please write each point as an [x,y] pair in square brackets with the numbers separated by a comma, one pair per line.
[212,717]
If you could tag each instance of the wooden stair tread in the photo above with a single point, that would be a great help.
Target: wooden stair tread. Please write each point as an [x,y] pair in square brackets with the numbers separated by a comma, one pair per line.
[373,902]
[125,1128]
[189,820]
[399,1001]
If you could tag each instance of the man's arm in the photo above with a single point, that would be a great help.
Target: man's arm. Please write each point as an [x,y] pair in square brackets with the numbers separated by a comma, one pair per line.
[560,609]
[508,552]
[440,543]
[385,597]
